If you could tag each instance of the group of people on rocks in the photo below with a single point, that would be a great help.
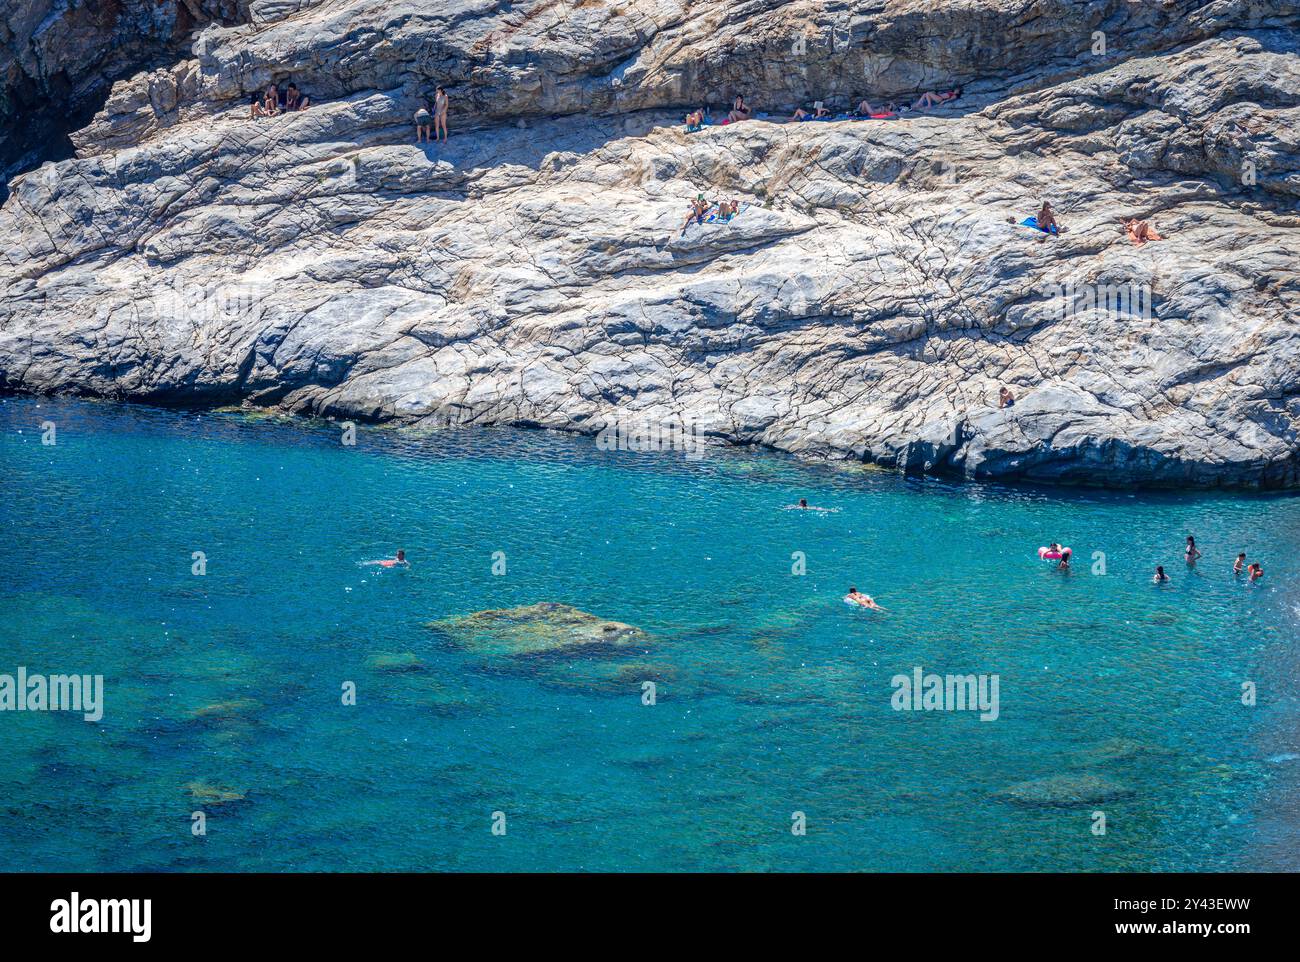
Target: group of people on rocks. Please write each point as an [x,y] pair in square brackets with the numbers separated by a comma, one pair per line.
[865,108]
[273,101]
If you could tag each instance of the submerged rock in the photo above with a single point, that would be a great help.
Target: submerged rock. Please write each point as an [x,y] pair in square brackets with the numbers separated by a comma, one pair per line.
[613,678]
[233,710]
[206,794]
[539,629]
[399,662]
[1069,789]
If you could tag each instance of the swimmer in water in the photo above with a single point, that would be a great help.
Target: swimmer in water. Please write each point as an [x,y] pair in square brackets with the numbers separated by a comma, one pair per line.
[1160,576]
[1256,571]
[1192,553]
[398,562]
[856,597]
[1064,564]
[1239,565]
[803,505]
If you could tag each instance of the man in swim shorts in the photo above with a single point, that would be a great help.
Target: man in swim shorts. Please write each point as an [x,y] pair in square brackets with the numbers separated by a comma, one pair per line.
[1240,564]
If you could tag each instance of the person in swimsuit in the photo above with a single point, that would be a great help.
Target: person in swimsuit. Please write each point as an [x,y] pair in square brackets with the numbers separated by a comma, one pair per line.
[1005,398]
[1046,219]
[440,113]
[1064,564]
[291,97]
[866,110]
[694,121]
[1191,553]
[738,110]
[699,208]
[398,562]
[932,99]
[1160,575]
[271,102]
[423,126]
[1256,571]
[1240,564]
[857,598]
[1140,231]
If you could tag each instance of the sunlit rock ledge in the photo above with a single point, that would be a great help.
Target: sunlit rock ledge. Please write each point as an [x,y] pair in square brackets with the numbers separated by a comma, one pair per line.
[867,303]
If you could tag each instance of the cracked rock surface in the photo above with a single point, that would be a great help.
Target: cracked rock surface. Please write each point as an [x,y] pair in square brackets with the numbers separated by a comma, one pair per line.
[867,302]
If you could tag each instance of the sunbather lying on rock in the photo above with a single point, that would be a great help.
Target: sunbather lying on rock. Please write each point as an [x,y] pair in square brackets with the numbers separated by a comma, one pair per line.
[728,209]
[1140,231]
[866,110]
[818,112]
[932,99]
[699,210]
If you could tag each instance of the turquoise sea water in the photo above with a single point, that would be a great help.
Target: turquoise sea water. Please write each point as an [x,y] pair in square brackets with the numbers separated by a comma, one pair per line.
[773,696]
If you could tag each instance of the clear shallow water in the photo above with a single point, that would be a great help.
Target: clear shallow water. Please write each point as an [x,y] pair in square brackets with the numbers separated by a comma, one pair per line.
[774,697]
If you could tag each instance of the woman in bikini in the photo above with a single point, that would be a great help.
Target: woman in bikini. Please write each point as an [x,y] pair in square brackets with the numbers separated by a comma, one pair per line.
[932,99]
[738,110]
[1140,231]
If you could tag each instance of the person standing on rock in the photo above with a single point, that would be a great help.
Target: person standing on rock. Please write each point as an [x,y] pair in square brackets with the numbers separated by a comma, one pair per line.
[440,114]
[423,126]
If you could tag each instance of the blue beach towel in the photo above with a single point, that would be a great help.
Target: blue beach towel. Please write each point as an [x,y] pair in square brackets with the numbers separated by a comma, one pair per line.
[1033,222]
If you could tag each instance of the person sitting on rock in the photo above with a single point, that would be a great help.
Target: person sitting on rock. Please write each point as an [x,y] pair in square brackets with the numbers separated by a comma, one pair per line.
[294,99]
[694,121]
[1140,231]
[1005,398]
[932,99]
[699,210]
[423,125]
[738,110]
[257,109]
[1046,220]
[728,209]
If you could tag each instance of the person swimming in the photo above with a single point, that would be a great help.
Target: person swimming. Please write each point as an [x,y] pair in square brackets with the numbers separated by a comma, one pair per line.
[803,505]
[1064,564]
[1192,553]
[1160,575]
[1240,564]
[1256,571]
[398,562]
[855,597]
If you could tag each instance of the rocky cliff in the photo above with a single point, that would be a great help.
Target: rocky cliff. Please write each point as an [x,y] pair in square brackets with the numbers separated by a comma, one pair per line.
[867,302]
